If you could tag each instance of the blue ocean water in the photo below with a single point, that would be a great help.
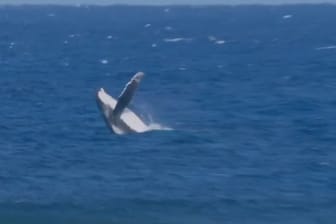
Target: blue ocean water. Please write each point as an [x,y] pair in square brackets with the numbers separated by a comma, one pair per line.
[249,92]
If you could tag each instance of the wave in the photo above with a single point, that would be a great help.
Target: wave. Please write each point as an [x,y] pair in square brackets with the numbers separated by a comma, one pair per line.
[287,16]
[215,40]
[326,47]
[177,39]
[220,42]
[168,28]
[104,61]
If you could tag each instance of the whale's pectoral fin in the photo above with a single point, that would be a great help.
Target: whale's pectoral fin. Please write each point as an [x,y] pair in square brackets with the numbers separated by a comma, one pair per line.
[127,94]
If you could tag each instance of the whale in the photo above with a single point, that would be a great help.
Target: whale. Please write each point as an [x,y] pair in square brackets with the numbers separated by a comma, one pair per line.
[116,113]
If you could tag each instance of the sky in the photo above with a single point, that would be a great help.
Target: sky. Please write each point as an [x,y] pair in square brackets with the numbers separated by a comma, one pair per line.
[163,2]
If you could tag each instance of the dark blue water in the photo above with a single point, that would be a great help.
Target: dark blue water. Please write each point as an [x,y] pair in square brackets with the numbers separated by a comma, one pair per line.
[249,91]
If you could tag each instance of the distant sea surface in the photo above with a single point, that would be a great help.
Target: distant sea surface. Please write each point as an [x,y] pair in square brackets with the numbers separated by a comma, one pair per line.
[248,91]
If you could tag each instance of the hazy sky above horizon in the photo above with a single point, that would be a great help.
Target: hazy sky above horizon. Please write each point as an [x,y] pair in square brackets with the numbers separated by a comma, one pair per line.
[162,2]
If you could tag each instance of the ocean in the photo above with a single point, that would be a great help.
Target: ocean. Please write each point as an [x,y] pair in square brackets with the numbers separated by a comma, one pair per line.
[247,95]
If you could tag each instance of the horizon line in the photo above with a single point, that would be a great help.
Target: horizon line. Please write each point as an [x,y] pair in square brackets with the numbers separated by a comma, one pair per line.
[166,5]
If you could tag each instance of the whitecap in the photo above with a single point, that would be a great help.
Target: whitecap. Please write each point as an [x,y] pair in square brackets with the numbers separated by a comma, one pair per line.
[154,45]
[66,42]
[166,10]
[104,61]
[212,38]
[168,28]
[287,77]
[324,163]
[326,47]
[287,16]
[11,45]
[73,35]
[178,39]
[51,15]
[109,37]
[147,25]
[220,42]
[216,40]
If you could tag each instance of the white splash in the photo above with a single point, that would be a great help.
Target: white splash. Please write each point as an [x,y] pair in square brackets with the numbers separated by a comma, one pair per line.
[154,126]
[326,47]
[158,127]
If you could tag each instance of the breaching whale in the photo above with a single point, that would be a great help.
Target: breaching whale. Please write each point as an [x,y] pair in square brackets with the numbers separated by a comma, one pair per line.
[119,118]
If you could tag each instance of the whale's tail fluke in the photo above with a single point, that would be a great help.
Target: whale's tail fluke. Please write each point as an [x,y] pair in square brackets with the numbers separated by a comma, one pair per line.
[127,94]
